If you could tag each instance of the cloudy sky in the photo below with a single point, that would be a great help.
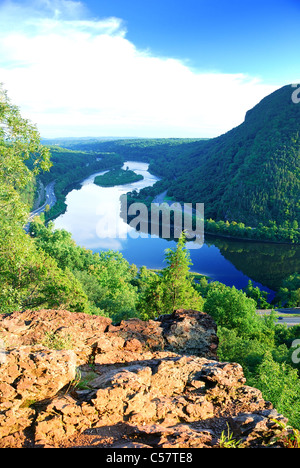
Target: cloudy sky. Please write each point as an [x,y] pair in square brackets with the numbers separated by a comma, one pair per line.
[145,68]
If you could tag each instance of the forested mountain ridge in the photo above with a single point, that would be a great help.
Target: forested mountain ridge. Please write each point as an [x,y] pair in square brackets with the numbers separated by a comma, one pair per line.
[252,173]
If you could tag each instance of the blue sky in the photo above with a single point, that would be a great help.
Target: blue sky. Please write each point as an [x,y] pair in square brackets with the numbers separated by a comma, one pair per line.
[149,68]
[257,37]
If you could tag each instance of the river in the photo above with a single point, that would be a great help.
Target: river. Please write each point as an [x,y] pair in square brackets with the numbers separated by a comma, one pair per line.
[93,218]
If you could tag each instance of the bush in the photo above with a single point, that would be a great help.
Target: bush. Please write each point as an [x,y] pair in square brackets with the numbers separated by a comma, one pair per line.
[231,308]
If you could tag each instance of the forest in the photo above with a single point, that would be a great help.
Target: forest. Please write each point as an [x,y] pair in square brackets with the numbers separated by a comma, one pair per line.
[46,269]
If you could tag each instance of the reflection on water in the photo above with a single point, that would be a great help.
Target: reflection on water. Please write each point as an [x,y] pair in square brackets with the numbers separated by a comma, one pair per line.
[93,213]
[268,264]
[93,218]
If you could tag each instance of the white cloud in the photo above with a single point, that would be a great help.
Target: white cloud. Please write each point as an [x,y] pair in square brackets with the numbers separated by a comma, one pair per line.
[73,75]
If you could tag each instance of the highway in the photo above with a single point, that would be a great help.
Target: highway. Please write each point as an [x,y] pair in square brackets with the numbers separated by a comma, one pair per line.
[50,200]
[289,316]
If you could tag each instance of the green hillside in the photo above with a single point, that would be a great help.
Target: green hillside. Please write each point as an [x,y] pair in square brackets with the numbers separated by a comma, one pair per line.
[252,173]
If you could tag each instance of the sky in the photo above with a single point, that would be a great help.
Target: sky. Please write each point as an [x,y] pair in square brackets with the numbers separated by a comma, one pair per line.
[145,68]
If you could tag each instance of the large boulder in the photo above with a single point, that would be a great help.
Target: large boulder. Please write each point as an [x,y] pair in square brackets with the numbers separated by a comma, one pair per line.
[74,380]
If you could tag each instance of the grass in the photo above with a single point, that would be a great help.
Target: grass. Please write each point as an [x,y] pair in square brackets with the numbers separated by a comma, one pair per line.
[228,441]
[58,341]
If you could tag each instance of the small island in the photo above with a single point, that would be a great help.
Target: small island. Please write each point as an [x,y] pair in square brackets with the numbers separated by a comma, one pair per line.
[117,177]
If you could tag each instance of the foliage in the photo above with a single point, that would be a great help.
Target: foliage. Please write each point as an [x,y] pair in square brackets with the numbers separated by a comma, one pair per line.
[58,341]
[231,308]
[19,143]
[179,291]
[105,278]
[228,441]
[289,292]
[31,279]
[117,177]
[258,295]
[280,384]
[287,232]
[290,437]
[170,289]
[28,277]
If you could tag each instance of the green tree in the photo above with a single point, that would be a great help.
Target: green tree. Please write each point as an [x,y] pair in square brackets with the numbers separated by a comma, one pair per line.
[21,158]
[170,289]
[106,278]
[179,291]
[231,308]
[259,296]
[29,277]
[279,384]
[150,294]
[289,292]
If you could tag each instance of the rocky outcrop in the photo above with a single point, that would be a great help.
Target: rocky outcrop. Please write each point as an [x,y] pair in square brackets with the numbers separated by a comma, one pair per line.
[74,380]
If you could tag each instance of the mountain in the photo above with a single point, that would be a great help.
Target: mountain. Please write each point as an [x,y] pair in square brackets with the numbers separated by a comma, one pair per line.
[251,174]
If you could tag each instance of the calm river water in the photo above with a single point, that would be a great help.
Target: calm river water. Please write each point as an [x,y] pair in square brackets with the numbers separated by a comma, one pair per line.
[93,218]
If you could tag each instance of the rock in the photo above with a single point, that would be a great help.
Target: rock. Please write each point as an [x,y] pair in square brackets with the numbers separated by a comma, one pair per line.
[145,393]
[74,380]
[79,331]
[28,375]
[181,436]
[190,332]
[34,373]
[63,418]
[257,428]
[148,334]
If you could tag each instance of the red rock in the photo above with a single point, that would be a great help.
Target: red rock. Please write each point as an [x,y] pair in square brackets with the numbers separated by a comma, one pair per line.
[144,378]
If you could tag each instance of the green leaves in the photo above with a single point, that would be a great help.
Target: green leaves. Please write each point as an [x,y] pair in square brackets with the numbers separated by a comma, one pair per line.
[178,286]
[231,308]
[172,288]
[19,142]
[105,279]
[29,277]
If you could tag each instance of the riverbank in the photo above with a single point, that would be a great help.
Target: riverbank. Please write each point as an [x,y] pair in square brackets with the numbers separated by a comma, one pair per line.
[50,200]
[287,234]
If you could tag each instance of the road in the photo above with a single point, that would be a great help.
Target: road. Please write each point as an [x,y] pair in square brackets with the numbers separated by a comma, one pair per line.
[50,200]
[289,316]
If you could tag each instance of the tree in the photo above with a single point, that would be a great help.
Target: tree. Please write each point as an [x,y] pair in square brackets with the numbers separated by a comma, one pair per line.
[232,309]
[29,277]
[177,282]
[21,158]
[279,384]
[259,296]
[170,289]
[106,278]
[150,294]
